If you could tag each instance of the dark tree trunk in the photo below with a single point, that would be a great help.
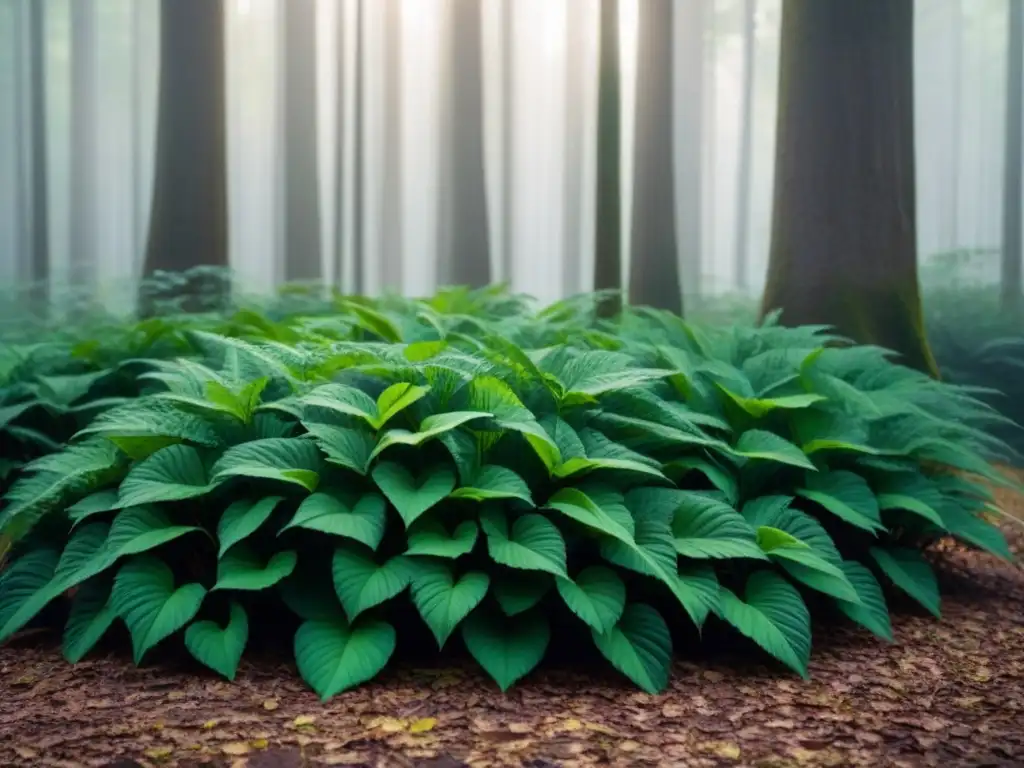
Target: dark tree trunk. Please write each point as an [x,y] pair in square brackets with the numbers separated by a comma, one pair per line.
[465,236]
[690,144]
[844,249]
[1013,162]
[573,151]
[654,261]
[608,246]
[742,261]
[391,204]
[298,116]
[189,222]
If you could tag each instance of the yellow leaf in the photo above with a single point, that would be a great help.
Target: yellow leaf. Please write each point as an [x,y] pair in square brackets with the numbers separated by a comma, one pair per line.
[389,724]
[260,743]
[209,725]
[158,726]
[724,749]
[598,728]
[270,705]
[158,753]
[423,725]
[235,748]
[303,720]
[572,724]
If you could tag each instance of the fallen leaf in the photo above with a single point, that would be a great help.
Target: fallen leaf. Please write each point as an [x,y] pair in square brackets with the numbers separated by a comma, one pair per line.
[235,748]
[209,725]
[260,743]
[25,753]
[270,705]
[598,728]
[724,749]
[388,724]
[423,725]
[158,753]
[303,721]
[571,725]
[629,745]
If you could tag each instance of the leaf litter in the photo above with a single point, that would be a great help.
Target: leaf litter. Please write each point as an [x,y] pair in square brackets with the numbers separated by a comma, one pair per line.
[945,693]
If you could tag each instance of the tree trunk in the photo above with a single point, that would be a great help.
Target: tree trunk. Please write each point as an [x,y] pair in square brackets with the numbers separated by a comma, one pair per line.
[82,217]
[572,251]
[844,250]
[692,26]
[189,220]
[297,102]
[654,262]
[1011,266]
[742,261]
[951,217]
[465,237]
[40,232]
[608,247]
[358,161]
[339,154]
[391,218]
[508,84]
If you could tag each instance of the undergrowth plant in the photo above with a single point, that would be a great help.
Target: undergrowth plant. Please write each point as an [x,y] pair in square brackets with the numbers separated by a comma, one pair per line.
[502,475]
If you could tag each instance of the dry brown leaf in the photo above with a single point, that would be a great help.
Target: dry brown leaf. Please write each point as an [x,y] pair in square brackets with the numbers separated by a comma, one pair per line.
[303,721]
[158,753]
[270,705]
[423,725]
[235,748]
[210,725]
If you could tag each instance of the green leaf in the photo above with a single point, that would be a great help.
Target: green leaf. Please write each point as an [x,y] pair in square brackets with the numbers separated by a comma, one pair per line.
[174,473]
[807,567]
[243,569]
[494,482]
[94,504]
[762,406]
[288,459]
[396,399]
[871,612]
[92,613]
[25,578]
[349,448]
[343,399]
[707,528]
[769,539]
[242,519]
[597,595]
[430,427]
[639,646]
[773,616]
[913,492]
[412,496]
[443,602]
[334,656]
[518,592]
[219,648]
[430,538]
[911,573]
[139,529]
[534,543]
[361,519]
[145,597]
[969,527]
[722,479]
[847,496]
[361,583]
[507,649]
[775,512]
[766,446]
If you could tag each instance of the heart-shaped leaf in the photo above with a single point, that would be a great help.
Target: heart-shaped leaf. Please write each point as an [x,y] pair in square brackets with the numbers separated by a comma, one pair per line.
[361,583]
[493,482]
[174,473]
[639,646]
[242,518]
[431,539]
[412,496]
[444,602]
[534,543]
[507,648]
[519,591]
[243,569]
[274,458]
[220,648]
[92,613]
[360,518]
[597,595]
[334,656]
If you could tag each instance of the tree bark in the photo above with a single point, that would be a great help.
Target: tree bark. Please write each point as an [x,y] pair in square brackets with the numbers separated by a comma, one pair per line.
[844,250]
[298,120]
[391,219]
[1012,175]
[465,236]
[654,262]
[358,161]
[608,248]
[339,154]
[189,222]
[82,216]
[742,260]
[40,227]
[508,84]
[572,148]
[692,26]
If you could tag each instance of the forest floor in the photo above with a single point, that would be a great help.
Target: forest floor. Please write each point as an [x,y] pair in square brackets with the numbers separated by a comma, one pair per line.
[947,692]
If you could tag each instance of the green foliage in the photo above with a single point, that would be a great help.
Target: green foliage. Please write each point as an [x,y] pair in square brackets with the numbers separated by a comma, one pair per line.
[499,473]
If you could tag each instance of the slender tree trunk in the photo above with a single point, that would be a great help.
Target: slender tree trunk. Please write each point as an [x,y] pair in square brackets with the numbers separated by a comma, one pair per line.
[844,250]
[572,150]
[189,220]
[358,161]
[1013,162]
[951,218]
[742,260]
[508,84]
[339,154]
[298,105]
[83,251]
[690,144]
[654,267]
[465,236]
[138,225]
[608,255]
[40,227]
[391,208]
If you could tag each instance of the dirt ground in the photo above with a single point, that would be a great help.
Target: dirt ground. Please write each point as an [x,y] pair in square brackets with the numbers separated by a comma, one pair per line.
[947,692]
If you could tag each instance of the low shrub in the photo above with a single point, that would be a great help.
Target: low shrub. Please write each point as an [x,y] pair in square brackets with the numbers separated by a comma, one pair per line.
[501,473]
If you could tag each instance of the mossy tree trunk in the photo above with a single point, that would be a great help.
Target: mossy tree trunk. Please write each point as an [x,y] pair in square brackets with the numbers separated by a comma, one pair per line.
[844,248]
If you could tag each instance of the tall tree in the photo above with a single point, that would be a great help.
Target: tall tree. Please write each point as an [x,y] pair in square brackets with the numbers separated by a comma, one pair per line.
[82,223]
[692,23]
[465,237]
[951,214]
[358,162]
[37,133]
[742,260]
[189,220]
[1013,162]
[844,239]
[654,262]
[391,190]
[572,149]
[608,246]
[339,151]
[508,85]
[298,121]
